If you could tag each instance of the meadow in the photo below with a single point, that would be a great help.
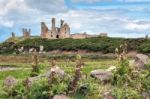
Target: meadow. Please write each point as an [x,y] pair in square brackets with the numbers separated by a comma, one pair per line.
[94,88]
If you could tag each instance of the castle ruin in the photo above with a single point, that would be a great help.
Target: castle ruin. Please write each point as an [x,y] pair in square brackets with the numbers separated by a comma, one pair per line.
[58,32]
[55,32]
[26,32]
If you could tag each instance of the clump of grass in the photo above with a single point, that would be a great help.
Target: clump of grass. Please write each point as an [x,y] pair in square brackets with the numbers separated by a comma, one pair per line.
[35,68]
[74,83]
[56,84]
[121,52]
[121,76]
[27,83]
[128,82]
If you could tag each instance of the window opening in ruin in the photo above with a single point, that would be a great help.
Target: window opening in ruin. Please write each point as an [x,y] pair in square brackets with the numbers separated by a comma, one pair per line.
[57,36]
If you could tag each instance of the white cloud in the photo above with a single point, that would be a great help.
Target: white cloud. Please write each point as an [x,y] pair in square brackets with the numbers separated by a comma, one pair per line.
[90,1]
[135,26]
[76,25]
[28,11]
[13,6]
[96,22]
[16,14]
[11,10]
[6,23]
[49,6]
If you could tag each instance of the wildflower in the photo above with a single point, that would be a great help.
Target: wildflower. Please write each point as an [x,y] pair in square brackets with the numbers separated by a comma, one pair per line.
[10,81]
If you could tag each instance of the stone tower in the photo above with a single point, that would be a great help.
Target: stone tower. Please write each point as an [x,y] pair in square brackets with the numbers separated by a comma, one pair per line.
[55,32]
[61,23]
[64,31]
[53,24]
[26,32]
[44,30]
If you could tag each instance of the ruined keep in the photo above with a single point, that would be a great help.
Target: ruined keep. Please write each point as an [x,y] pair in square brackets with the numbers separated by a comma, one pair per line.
[55,32]
[26,32]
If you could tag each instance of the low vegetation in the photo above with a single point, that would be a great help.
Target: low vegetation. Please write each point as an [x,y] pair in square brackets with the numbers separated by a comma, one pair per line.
[102,44]
[126,83]
[44,77]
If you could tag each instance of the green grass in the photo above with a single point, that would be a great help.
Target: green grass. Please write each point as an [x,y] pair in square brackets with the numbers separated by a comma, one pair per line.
[18,74]
[89,65]
[67,66]
[96,89]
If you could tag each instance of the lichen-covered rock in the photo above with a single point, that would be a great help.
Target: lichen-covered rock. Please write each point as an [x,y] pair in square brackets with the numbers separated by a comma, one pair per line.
[101,75]
[111,68]
[60,97]
[57,71]
[140,61]
[145,95]
[108,95]
[10,81]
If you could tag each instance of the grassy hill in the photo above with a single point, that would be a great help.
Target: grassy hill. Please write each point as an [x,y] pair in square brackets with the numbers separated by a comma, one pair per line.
[102,44]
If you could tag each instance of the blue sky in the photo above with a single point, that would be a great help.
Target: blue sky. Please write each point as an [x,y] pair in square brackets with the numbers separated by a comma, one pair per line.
[119,18]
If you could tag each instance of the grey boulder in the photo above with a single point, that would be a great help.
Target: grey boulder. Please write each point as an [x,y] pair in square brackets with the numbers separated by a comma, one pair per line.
[140,60]
[101,75]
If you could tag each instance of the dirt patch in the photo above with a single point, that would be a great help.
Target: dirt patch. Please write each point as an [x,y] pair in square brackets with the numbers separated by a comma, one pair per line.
[2,68]
[8,68]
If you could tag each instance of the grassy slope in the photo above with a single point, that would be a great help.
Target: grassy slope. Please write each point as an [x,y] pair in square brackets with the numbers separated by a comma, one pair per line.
[103,44]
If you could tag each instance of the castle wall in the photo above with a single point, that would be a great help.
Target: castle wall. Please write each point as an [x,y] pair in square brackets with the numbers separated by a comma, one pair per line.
[44,30]
[103,34]
[55,32]
[82,35]
[65,31]
[78,36]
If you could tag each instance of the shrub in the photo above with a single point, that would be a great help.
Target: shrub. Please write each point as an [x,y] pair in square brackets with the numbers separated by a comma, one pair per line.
[105,45]
[144,47]
[35,66]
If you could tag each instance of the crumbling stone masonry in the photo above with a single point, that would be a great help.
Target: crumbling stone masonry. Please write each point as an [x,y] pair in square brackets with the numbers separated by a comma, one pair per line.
[26,32]
[55,32]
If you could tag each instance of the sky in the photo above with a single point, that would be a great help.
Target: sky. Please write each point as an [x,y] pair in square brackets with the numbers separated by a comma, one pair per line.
[118,18]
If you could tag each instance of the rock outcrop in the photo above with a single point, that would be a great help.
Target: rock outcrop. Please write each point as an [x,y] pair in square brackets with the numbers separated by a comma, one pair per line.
[57,71]
[61,96]
[140,60]
[101,75]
